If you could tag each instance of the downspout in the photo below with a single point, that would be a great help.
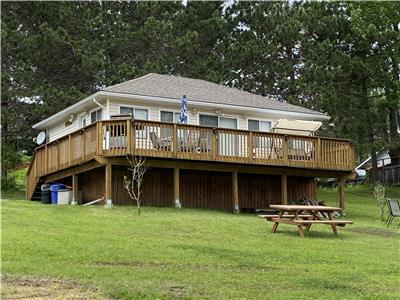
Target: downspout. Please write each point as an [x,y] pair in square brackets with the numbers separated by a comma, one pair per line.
[101,105]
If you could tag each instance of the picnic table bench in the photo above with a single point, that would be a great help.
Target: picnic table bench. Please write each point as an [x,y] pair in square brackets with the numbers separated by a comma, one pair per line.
[305,216]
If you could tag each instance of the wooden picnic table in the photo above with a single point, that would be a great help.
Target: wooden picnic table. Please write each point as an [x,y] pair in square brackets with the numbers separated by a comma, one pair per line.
[306,215]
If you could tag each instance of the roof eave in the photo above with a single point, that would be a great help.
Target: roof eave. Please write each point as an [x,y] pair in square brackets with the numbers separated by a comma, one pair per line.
[61,114]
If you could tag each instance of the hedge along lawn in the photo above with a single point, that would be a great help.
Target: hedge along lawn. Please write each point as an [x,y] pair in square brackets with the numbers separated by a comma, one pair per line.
[168,253]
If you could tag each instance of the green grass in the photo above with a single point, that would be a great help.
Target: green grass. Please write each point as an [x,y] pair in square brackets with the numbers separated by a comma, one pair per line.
[168,253]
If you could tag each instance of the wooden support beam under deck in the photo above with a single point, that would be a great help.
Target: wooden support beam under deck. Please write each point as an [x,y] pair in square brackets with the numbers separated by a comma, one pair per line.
[284,193]
[108,184]
[341,193]
[235,192]
[177,201]
[74,189]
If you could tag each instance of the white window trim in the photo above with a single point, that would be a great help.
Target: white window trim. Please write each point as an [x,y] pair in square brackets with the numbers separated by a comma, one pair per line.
[81,116]
[215,115]
[259,119]
[134,107]
[171,111]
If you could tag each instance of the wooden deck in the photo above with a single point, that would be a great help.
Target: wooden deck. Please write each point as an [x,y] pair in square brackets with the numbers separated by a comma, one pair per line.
[113,138]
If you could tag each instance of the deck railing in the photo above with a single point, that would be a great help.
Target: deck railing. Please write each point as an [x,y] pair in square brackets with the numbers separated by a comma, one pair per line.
[181,141]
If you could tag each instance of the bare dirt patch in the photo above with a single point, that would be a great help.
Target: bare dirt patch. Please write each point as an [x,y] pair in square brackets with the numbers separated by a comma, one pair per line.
[373,231]
[28,287]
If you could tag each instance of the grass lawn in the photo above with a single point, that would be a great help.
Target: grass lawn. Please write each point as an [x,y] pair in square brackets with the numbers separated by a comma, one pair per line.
[168,253]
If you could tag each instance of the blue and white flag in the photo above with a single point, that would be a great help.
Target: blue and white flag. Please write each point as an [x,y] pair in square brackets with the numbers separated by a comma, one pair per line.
[183,115]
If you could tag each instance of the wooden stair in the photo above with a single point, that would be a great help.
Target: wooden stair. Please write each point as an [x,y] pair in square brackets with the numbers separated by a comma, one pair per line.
[33,183]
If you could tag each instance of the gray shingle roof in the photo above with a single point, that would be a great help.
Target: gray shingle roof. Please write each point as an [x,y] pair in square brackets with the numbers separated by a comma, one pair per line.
[173,87]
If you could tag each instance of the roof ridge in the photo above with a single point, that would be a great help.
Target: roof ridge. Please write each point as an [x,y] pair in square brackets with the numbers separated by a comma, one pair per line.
[221,85]
[125,82]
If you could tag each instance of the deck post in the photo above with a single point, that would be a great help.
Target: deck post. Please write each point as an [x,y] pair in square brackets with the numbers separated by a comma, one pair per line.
[235,192]
[341,193]
[74,189]
[129,136]
[177,201]
[108,185]
[284,194]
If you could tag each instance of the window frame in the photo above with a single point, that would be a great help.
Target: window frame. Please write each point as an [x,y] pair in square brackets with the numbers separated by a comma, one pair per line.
[81,118]
[134,107]
[259,120]
[90,115]
[215,115]
[173,114]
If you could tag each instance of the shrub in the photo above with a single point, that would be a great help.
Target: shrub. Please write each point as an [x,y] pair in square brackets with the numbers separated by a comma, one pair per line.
[379,194]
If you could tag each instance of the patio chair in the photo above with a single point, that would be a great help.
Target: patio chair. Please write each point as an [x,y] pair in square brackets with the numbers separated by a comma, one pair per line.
[160,144]
[190,141]
[154,140]
[394,210]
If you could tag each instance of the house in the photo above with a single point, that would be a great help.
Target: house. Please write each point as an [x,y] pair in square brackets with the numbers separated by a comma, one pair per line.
[238,150]
[388,172]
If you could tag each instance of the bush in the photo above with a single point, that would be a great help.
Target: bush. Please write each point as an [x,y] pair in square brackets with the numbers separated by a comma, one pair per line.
[379,194]
[15,181]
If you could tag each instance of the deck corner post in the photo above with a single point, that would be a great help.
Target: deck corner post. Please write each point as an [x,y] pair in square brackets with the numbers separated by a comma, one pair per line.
[250,154]
[235,193]
[108,186]
[341,193]
[174,140]
[129,136]
[284,194]
[74,189]
[177,201]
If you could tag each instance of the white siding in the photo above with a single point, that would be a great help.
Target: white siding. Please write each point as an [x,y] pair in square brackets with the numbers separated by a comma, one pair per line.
[62,130]
[113,105]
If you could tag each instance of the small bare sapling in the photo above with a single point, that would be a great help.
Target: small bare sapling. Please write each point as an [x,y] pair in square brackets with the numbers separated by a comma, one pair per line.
[134,182]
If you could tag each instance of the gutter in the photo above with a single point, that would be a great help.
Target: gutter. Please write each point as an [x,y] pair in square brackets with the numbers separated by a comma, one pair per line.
[66,110]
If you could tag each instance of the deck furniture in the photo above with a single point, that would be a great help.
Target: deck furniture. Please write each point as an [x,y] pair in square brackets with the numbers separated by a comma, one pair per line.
[160,144]
[394,211]
[298,211]
[269,217]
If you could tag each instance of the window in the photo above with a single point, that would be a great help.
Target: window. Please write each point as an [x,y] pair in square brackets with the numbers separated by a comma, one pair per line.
[96,115]
[205,120]
[82,121]
[169,116]
[264,126]
[257,125]
[137,113]
[227,123]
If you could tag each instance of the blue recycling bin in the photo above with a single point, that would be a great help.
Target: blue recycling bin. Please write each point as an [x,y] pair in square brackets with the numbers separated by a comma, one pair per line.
[54,188]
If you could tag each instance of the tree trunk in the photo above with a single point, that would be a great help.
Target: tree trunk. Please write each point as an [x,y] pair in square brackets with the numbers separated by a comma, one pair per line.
[394,148]
[374,161]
